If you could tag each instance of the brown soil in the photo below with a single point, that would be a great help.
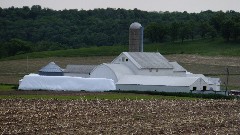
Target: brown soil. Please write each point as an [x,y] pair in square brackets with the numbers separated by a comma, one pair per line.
[20,116]
[205,60]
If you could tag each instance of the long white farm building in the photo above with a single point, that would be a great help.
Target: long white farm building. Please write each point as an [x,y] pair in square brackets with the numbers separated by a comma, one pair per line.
[151,71]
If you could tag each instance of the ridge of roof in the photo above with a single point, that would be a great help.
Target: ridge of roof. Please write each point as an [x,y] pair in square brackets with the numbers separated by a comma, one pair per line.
[147,60]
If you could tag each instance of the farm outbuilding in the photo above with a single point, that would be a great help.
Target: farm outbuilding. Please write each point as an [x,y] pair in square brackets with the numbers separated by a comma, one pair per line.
[65,83]
[51,69]
[161,83]
[152,71]
[79,70]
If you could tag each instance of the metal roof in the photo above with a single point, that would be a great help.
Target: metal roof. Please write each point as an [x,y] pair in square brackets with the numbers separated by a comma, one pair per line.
[177,67]
[51,67]
[209,80]
[135,25]
[84,69]
[158,80]
[148,60]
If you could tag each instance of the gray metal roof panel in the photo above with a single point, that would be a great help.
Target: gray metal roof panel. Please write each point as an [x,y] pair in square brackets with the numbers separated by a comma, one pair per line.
[51,67]
[177,67]
[85,69]
[150,60]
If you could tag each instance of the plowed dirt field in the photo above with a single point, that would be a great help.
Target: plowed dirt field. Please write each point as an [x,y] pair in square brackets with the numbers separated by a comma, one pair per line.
[18,116]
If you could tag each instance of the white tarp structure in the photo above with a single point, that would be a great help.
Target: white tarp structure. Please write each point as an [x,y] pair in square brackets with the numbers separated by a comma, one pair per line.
[65,83]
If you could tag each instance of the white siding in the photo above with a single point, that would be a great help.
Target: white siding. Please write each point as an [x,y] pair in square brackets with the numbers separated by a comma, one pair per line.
[199,83]
[155,72]
[121,59]
[103,71]
[153,88]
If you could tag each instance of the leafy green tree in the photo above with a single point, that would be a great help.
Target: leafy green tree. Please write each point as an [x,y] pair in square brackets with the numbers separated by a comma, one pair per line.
[16,46]
[227,29]
[192,28]
[217,20]
[236,31]
[174,31]
[204,29]
[184,31]
[156,32]
[212,32]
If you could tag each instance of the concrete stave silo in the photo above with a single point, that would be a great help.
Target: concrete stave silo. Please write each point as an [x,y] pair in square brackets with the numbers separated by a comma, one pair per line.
[136,37]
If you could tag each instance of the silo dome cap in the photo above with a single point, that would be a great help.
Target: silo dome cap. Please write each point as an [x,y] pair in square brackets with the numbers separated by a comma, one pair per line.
[135,25]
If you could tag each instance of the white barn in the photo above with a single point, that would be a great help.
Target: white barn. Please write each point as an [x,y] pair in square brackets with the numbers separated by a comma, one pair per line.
[151,71]
[161,83]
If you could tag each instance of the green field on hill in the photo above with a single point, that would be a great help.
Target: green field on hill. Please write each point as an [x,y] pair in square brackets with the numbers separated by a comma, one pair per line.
[209,47]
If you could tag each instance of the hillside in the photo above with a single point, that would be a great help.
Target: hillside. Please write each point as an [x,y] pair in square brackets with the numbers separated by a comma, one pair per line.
[208,47]
[35,29]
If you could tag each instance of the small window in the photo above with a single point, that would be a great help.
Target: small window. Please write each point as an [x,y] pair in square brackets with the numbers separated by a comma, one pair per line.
[126,59]
[204,87]
[194,88]
[123,59]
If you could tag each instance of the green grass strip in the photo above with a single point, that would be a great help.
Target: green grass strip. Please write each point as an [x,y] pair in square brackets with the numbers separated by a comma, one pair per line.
[101,96]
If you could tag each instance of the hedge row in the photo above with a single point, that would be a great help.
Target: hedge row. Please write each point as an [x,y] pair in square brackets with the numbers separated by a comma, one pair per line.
[179,94]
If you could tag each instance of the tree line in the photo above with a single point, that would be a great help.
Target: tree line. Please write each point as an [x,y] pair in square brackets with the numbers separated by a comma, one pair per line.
[30,29]
[206,24]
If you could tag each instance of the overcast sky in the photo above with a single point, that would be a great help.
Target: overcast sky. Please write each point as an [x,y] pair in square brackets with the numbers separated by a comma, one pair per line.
[147,5]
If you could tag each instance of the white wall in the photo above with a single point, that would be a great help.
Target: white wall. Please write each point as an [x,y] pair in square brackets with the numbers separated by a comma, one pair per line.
[152,88]
[155,72]
[103,71]
[122,60]
[199,84]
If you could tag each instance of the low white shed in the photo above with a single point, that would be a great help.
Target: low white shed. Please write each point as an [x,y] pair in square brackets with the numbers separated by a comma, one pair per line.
[161,83]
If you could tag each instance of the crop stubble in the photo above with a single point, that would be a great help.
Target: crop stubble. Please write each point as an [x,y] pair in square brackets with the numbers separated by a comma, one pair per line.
[18,116]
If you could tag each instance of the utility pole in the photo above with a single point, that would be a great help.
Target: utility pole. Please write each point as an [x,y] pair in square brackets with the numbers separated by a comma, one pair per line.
[27,64]
[227,79]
